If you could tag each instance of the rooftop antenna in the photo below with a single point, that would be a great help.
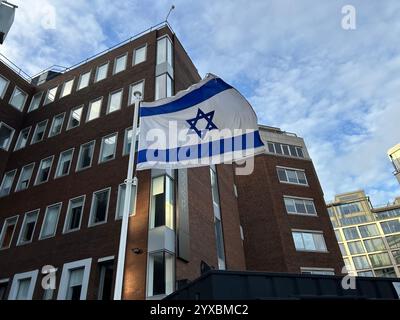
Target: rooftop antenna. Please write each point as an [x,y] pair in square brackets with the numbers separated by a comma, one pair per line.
[169,12]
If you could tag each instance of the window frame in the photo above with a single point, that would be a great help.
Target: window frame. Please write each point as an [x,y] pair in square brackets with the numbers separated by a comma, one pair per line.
[14,171]
[39,168]
[22,229]
[20,175]
[109,100]
[41,237]
[89,109]
[19,136]
[304,200]
[134,63]
[80,80]
[97,71]
[71,112]
[50,135]
[25,99]
[117,208]
[296,170]
[102,147]
[65,278]
[2,94]
[130,102]
[62,95]
[77,169]
[115,63]
[3,229]
[46,102]
[67,215]
[312,232]
[91,214]
[33,98]
[22,276]
[11,136]
[58,163]
[126,140]
[35,131]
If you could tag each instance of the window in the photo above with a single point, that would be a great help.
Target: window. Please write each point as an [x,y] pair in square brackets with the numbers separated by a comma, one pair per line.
[35,102]
[114,101]
[121,201]
[351,233]
[374,245]
[7,183]
[162,202]
[101,72]
[361,262]
[18,99]
[85,156]
[309,241]
[23,286]
[356,247]
[74,280]
[380,260]
[25,177]
[139,55]
[160,277]
[108,146]
[4,282]
[64,163]
[386,273]
[164,50]
[343,250]
[300,206]
[396,256]
[349,208]
[50,221]
[6,135]
[75,117]
[324,272]
[94,109]
[338,235]
[38,134]
[74,214]
[67,88]
[391,226]
[120,63]
[43,173]
[83,80]
[164,86]
[284,149]
[127,141]
[3,86]
[7,232]
[56,125]
[28,227]
[365,274]
[138,86]
[394,241]
[294,176]
[22,139]
[106,276]
[99,209]
[369,230]
[50,96]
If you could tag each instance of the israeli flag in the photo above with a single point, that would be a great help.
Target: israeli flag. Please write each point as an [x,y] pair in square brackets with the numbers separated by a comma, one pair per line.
[209,123]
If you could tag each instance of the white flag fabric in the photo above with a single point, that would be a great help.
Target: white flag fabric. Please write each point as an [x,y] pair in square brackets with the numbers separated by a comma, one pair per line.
[209,123]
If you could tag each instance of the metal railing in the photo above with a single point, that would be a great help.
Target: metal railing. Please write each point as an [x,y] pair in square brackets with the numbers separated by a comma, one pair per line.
[15,68]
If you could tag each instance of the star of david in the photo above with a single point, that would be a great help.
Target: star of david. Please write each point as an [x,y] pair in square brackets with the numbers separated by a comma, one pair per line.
[201,115]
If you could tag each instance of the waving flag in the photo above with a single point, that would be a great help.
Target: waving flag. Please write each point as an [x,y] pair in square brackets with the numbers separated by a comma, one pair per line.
[209,123]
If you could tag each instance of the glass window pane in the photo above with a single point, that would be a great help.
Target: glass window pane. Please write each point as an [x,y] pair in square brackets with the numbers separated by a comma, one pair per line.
[85,156]
[162,50]
[18,99]
[115,100]
[84,80]
[94,109]
[23,289]
[369,230]
[75,117]
[300,206]
[374,245]
[301,176]
[351,233]
[108,146]
[99,206]
[121,200]
[120,64]
[3,86]
[355,247]
[380,260]
[51,95]
[101,72]
[289,204]
[25,177]
[310,206]
[140,55]
[50,221]
[161,86]
[6,134]
[292,176]
[44,170]
[39,132]
[64,163]
[361,262]
[35,102]
[7,182]
[67,88]
[282,175]
[391,226]
[22,139]
[133,88]
[56,125]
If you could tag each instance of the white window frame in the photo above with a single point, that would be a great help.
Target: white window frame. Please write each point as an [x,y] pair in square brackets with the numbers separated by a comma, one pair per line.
[89,109]
[117,208]
[77,169]
[45,102]
[102,145]
[68,214]
[150,277]
[312,232]
[64,282]
[20,176]
[91,223]
[166,48]
[2,94]
[287,177]
[130,102]
[109,100]
[23,104]
[35,131]
[19,241]
[3,229]
[33,98]
[134,63]
[38,170]
[2,181]
[21,276]
[52,125]
[41,237]
[62,95]
[97,71]
[70,117]
[58,163]
[313,269]
[80,80]
[11,137]
[299,213]
[19,137]
[115,63]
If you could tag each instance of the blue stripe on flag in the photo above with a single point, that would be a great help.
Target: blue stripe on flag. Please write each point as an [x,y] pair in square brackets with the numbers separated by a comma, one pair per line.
[202,150]
[206,91]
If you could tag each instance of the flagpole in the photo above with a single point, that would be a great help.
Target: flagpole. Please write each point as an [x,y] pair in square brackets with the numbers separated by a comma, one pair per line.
[131,179]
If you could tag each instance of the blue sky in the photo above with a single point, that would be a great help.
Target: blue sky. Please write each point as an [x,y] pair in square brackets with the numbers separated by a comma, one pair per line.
[302,72]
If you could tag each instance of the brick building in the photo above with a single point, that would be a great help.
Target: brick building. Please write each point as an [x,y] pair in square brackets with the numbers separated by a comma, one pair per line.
[64,144]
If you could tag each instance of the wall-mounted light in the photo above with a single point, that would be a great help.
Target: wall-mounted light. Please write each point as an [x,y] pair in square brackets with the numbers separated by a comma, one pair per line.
[137,251]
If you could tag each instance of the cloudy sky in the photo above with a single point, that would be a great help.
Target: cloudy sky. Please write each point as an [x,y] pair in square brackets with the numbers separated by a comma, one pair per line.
[302,72]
